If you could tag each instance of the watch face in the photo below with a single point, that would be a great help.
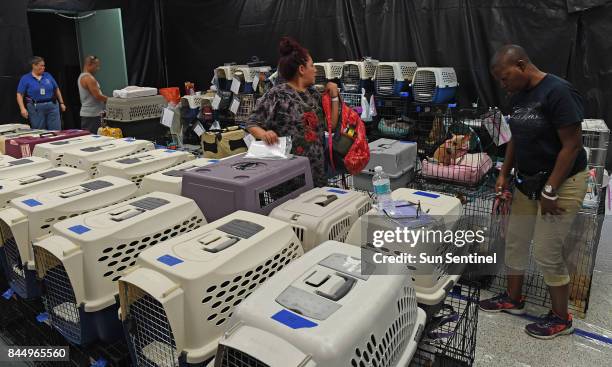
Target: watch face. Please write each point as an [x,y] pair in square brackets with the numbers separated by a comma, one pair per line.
[548,188]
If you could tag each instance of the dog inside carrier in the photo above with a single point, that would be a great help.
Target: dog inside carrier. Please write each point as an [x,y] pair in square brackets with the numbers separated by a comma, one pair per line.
[52,178]
[137,166]
[239,183]
[393,78]
[327,72]
[16,168]
[174,310]
[80,263]
[170,179]
[434,85]
[30,217]
[323,214]
[425,210]
[88,158]
[357,75]
[298,319]
[460,155]
[54,150]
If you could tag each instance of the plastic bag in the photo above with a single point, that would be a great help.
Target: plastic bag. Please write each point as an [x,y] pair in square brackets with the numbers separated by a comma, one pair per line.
[261,150]
[359,153]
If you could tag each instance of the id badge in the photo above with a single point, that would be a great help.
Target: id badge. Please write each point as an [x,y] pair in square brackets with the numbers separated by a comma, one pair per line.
[42,91]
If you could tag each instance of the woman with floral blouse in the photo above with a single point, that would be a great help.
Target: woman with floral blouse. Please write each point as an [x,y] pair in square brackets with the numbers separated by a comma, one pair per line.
[294,109]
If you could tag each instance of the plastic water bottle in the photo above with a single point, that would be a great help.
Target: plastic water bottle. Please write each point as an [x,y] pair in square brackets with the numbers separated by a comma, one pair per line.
[382,190]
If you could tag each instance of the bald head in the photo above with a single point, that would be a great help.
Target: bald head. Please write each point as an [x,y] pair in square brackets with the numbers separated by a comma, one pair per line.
[509,55]
[91,64]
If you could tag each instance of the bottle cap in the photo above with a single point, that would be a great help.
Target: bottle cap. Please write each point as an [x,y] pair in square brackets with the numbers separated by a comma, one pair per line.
[378,169]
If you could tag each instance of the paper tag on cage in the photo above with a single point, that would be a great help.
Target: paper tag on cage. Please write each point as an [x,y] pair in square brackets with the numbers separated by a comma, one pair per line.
[167,117]
[216,102]
[235,105]
[255,82]
[235,88]
[248,139]
[198,129]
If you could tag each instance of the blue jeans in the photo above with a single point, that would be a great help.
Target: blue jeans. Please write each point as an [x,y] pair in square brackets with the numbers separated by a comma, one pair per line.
[44,116]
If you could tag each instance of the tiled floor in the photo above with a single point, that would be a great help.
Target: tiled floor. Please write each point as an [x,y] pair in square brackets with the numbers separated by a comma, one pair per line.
[503,342]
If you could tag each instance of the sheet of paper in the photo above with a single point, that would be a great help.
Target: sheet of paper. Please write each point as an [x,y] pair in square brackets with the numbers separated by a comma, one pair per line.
[255,82]
[235,88]
[216,101]
[234,106]
[167,117]
[198,129]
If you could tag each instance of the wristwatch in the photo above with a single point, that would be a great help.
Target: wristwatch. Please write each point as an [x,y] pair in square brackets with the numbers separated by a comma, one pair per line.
[548,190]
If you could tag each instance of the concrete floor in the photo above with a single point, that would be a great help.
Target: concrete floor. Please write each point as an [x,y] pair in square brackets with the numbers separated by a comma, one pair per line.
[502,340]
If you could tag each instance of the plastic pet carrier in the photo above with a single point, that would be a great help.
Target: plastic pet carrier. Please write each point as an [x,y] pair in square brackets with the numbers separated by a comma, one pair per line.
[11,128]
[16,168]
[24,145]
[174,309]
[323,214]
[393,78]
[81,262]
[246,106]
[38,181]
[327,72]
[238,183]
[431,281]
[243,74]
[88,158]
[137,166]
[5,159]
[170,179]
[434,85]
[357,75]
[54,151]
[397,158]
[322,311]
[30,217]
[224,75]
[5,138]
[135,109]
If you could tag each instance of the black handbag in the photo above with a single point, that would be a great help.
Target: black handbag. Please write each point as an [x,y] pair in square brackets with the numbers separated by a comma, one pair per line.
[531,185]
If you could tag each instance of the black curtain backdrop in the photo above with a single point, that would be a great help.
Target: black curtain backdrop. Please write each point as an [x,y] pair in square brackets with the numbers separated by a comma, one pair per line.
[170,42]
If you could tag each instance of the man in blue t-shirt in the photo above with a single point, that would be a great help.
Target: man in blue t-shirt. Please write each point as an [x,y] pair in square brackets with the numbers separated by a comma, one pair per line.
[38,95]
[550,164]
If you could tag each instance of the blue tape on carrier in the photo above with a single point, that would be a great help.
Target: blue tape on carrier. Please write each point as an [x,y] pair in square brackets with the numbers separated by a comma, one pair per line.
[427,194]
[292,320]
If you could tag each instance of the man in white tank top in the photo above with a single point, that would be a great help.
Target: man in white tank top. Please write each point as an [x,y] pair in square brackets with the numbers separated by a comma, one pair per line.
[92,99]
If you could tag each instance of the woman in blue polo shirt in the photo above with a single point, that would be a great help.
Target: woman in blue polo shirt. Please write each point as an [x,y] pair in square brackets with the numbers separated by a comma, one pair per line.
[38,95]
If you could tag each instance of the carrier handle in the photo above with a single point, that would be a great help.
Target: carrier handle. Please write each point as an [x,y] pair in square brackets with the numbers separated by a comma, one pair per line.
[342,291]
[330,199]
[42,135]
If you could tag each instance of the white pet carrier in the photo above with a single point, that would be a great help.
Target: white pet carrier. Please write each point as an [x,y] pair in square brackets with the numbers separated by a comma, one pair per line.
[431,282]
[29,217]
[397,158]
[434,85]
[137,166]
[243,74]
[80,263]
[135,109]
[322,311]
[393,78]
[326,72]
[88,158]
[11,128]
[15,168]
[323,214]
[5,159]
[54,151]
[224,75]
[357,75]
[176,304]
[170,179]
[41,180]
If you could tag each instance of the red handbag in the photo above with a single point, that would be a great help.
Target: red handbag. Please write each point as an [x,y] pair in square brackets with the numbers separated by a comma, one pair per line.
[350,125]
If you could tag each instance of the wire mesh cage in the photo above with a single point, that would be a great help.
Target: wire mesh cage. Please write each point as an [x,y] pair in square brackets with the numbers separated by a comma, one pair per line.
[595,138]
[389,339]
[449,340]
[393,78]
[393,116]
[135,109]
[246,106]
[580,249]
[357,75]
[434,85]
